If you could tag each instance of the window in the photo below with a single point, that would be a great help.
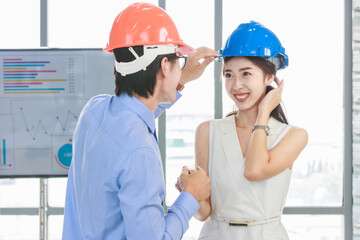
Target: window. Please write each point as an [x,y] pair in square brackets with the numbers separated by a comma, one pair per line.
[313,98]
[19,22]
[86,24]
[312,33]
[313,88]
[301,227]
[196,105]
[19,227]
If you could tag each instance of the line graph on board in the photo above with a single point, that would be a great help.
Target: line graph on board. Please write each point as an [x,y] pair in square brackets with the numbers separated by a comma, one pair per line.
[40,126]
[48,125]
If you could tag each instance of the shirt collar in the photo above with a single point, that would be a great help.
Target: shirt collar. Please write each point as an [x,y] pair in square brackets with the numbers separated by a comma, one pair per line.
[136,106]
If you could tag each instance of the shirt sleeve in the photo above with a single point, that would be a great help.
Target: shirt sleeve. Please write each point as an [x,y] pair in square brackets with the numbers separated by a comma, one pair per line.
[140,196]
[163,106]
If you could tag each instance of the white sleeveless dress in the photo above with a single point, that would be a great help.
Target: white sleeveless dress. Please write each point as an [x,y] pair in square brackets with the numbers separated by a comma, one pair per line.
[237,202]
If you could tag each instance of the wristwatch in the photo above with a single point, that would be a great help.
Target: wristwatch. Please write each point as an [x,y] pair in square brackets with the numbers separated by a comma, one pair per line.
[263,127]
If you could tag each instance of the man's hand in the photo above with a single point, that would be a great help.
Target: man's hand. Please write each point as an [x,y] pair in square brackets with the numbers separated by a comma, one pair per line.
[196,64]
[197,183]
[178,183]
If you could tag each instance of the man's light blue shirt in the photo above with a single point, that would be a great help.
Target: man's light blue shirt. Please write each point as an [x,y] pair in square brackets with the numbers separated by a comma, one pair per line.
[116,185]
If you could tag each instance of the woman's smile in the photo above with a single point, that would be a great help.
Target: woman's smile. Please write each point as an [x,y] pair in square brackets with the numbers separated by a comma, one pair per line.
[241,97]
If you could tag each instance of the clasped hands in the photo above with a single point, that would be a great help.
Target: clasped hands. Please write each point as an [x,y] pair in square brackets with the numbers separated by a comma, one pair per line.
[196,182]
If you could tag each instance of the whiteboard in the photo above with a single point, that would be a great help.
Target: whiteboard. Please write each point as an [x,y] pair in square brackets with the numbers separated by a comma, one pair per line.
[42,92]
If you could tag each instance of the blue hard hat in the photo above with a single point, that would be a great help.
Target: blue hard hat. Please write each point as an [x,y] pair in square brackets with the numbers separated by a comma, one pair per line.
[253,39]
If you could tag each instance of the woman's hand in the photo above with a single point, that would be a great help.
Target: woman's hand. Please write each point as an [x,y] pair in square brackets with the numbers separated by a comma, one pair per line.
[178,185]
[272,98]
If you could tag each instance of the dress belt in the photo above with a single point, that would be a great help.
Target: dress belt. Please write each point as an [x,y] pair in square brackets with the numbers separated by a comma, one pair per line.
[246,223]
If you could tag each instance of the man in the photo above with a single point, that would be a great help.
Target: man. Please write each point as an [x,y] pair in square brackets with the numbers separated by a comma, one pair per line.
[116,184]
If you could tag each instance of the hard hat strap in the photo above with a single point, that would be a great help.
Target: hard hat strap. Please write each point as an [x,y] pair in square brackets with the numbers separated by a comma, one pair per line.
[140,63]
[278,61]
[275,61]
[133,52]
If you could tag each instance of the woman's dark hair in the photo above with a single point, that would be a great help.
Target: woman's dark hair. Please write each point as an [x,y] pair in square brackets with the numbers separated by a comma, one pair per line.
[143,82]
[268,68]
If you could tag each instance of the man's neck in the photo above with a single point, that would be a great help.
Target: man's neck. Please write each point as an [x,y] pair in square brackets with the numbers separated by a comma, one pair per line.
[150,102]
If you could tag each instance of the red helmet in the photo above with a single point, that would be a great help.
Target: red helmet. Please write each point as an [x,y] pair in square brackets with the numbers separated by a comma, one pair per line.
[145,24]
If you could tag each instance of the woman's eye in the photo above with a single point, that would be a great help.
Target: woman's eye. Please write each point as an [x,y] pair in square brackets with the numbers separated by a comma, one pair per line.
[246,74]
[227,75]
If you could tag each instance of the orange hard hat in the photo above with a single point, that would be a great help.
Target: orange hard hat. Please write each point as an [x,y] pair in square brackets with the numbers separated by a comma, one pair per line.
[145,24]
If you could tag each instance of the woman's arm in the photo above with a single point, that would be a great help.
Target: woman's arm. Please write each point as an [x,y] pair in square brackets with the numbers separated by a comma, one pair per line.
[261,163]
[202,160]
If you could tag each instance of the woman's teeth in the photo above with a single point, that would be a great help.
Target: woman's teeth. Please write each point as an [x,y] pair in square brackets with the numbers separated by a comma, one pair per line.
[242,96]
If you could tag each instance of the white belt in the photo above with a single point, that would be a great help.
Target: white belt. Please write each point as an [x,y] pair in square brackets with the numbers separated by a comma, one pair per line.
[246,222]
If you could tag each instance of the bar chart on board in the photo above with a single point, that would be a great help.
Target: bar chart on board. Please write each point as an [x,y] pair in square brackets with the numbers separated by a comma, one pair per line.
[43,75]
[6,142]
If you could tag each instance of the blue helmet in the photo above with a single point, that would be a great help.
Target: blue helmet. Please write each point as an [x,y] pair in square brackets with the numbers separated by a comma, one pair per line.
[253,39]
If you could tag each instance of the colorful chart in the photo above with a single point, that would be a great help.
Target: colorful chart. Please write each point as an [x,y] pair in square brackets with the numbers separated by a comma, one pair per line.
[40,126]
[6,142]
[65,154]
[43,76]
[37,121]
[3,153]
[62,152]
[42,93]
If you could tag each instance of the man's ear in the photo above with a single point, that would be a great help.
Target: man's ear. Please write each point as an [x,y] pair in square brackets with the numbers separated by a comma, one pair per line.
[165,66]
[269,78]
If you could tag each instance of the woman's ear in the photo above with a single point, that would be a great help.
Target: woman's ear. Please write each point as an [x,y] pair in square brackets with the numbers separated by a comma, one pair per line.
[269,79]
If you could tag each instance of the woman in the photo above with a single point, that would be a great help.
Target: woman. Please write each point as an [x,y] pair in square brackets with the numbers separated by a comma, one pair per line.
[249,154]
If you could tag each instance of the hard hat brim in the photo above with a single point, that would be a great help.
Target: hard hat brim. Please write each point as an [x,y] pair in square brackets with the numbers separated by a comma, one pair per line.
[184,49]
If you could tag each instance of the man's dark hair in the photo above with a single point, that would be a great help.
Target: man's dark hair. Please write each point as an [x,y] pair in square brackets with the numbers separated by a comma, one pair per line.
[143,82]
